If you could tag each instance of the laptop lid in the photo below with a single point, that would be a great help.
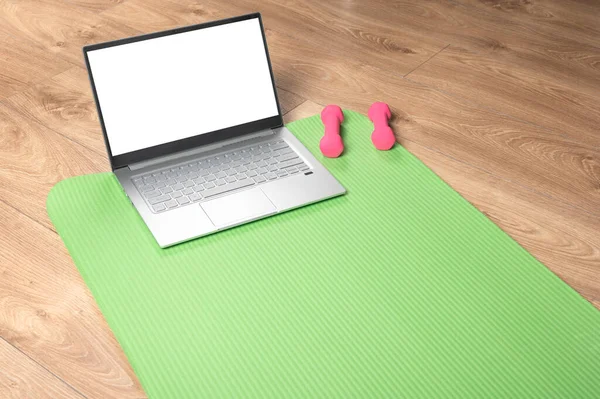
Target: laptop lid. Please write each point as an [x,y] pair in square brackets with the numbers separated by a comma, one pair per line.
[175,90]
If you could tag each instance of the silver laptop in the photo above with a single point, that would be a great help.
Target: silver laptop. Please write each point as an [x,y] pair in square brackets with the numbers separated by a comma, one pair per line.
[194,132]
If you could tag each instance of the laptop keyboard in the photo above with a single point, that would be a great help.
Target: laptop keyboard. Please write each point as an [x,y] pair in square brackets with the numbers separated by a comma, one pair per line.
[205,178]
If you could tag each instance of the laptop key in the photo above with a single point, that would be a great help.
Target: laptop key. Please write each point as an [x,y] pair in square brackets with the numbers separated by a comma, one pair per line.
[287,157]
[158,200]
[183,200]
[166,190]
[278,146]
[195,197]
[178,186]
[259,179]
[271,176]
[159,207]
[187,191]
[228,187]
[171,204]
[152,194]
[176,194]
[209,185]
[291,162]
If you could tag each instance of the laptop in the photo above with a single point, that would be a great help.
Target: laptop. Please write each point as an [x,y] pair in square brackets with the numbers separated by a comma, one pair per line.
[194,131]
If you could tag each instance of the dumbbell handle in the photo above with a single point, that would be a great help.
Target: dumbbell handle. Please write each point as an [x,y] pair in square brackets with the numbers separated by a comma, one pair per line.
[331,143]
[380,120]
[332,125]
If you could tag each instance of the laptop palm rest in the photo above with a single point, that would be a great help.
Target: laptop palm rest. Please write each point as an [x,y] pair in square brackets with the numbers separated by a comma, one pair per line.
[238,208]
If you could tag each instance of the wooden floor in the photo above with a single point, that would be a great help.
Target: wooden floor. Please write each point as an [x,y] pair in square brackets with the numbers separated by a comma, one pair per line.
[500,98]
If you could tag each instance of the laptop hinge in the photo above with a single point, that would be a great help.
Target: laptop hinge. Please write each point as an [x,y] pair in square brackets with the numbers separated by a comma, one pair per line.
[199,150]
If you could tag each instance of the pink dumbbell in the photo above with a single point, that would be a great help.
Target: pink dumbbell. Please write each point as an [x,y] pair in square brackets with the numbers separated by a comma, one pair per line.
[331,144]
[383,137]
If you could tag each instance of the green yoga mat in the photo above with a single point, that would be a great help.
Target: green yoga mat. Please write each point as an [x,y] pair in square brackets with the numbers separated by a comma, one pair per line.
[400,288]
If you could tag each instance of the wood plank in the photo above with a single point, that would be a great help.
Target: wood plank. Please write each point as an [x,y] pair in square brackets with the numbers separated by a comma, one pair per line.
[58,27]
[355,37]
[288,100]
[34,158]
[154,15]
[514,67]
[21,377]
[468,24]
[304,110]
[574,19]
[515,151]
[47,312]
[23,63]
[514,85]
[95,5]
[65,105]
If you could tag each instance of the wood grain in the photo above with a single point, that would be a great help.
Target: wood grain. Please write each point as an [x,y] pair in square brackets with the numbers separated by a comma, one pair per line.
[21,377]
[519,151]
[555,99]
[499,97]
[47,312]
[35,158]
[373,43]
[58,27]
[17,71]
[63,104]
[571,19]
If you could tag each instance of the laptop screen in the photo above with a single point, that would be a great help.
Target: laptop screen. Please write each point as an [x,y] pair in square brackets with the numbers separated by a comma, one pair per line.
[173,87]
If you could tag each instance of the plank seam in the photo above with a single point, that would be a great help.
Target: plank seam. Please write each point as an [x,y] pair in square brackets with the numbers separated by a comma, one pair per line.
[42,366]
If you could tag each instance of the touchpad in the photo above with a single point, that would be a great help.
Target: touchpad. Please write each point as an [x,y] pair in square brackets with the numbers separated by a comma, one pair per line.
[238,208]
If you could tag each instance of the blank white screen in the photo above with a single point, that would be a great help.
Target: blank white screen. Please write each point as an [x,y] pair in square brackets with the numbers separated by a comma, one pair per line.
[173,87]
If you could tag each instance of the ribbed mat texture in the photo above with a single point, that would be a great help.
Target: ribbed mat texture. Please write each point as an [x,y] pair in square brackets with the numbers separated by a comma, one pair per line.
[400,288]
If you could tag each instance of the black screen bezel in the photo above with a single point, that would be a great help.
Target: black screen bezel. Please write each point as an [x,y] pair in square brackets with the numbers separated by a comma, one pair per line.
[123,160]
